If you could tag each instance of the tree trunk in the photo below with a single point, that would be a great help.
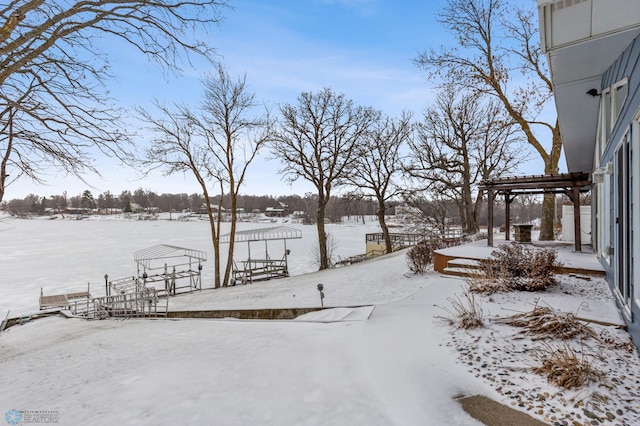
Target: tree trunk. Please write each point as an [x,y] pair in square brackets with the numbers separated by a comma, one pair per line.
[232,236]
[5,158]
[322,236]
[471,220]
[548,214]
[477,207]
[549,200]
[470,224]
[384,227]
[214,239]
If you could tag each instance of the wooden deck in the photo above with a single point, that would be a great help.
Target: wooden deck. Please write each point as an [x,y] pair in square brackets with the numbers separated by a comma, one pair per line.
[62,300]
[571,262]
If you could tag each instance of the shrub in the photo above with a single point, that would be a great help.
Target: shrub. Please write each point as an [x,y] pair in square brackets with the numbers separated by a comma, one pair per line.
[521,268]
[563,367]
[420,256]
[466,312]
[544,322]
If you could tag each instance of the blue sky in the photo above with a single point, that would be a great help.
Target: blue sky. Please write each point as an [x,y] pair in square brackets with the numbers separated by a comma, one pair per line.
[363,48]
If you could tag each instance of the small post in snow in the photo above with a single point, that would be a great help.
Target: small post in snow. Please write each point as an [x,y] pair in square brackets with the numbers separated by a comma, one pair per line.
[320,288]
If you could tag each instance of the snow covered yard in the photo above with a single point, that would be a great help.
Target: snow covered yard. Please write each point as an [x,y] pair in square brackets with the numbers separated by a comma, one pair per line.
[390,369]
[504,356]
[402,366]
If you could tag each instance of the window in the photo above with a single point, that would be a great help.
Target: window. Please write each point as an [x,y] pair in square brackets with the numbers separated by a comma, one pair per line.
[600,144]
[605,110]
[620,90]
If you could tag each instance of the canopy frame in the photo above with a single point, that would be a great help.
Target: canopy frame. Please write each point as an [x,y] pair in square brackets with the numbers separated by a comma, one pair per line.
[570,184]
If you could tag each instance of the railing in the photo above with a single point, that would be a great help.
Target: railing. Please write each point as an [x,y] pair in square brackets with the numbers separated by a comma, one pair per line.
[404,239]
[400,239]
[142,303]
[359,258]
[258,269]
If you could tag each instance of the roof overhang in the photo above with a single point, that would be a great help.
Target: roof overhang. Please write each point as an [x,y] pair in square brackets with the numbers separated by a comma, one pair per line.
[582,39]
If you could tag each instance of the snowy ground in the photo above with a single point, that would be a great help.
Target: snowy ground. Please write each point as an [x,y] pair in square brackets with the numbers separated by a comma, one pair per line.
[402,366]
[503,356]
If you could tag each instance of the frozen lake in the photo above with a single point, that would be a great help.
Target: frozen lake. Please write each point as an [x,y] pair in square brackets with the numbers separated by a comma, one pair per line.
[66,255]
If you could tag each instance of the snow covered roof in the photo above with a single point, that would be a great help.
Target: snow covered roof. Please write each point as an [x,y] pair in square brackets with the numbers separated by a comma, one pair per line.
[263,234]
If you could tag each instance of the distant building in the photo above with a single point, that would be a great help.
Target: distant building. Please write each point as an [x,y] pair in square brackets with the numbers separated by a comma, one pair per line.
[280,210]
[214,209]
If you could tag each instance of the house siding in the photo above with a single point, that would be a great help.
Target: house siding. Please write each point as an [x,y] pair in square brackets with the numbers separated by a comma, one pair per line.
[626,66]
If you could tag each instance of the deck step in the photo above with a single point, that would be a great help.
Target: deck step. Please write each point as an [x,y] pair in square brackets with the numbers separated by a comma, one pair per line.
[464,263]
[460,267]
[463,272]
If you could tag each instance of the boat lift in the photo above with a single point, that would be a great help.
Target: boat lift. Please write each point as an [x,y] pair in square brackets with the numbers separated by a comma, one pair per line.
[167,258]
[137,296]
[258,269]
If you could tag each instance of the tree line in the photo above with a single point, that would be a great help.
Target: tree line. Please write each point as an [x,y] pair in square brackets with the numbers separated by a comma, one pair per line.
[344,206]
[55,109]
[149,201]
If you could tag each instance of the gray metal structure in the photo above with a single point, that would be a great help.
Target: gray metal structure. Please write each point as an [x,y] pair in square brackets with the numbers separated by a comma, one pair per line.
[257,269]
[174,263]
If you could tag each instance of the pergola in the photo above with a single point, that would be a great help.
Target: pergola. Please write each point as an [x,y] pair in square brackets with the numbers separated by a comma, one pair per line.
[570,184]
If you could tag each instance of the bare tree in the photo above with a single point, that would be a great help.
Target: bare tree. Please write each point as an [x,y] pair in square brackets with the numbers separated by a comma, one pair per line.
[378,164]
[495,38]
[54,104]
[433,212]
[316,142]
[234,135]
[216,143]
[460,142]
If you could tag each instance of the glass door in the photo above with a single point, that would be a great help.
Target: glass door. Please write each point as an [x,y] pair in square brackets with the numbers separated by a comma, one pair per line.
[622,215]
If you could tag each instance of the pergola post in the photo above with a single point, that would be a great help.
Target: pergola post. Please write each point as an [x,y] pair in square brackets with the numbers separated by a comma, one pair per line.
[490,217]
[507,215]
[577,228]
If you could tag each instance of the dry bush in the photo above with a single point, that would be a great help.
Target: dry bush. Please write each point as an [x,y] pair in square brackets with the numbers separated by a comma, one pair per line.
[420,256]
[566,369]
[543,322]
[542,264]
[466,312]
[485,282]
[522,268]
